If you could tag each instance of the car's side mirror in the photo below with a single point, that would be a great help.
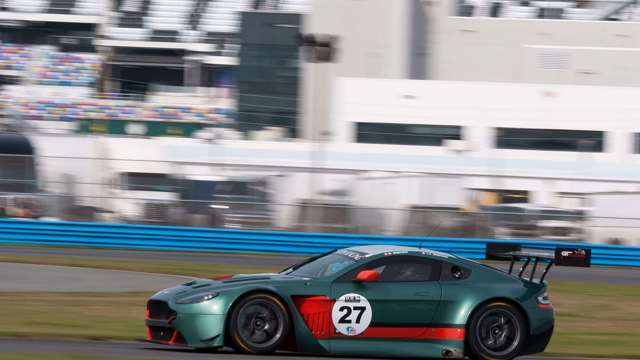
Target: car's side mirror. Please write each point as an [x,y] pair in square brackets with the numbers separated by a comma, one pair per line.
[367,276]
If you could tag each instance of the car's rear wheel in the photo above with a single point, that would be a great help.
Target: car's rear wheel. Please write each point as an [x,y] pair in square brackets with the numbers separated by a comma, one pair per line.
[497,331]
[259,324]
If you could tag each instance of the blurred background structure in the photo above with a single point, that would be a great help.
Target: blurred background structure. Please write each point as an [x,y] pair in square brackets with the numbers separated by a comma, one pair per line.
[459,118]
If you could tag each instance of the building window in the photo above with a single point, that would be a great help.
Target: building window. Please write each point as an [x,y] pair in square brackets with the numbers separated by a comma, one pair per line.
[550,140]
[406,134]
[636,143]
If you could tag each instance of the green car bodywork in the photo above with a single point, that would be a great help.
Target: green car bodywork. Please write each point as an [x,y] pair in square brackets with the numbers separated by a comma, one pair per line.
[409,318]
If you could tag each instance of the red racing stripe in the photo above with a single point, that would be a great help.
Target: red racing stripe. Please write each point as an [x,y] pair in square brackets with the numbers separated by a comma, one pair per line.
[408,333]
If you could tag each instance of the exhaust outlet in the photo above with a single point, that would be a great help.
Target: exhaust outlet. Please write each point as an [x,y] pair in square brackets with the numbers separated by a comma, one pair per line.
[447,353]
[452,354]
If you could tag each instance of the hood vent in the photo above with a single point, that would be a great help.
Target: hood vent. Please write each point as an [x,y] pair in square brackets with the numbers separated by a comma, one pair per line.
[244,279]
[201,286]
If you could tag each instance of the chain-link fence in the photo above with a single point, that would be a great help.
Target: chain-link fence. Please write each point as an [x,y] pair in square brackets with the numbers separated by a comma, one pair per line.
[240,197]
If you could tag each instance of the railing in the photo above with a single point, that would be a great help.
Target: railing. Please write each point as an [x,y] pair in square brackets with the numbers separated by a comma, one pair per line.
[121,236]
[620,10]
[300,198]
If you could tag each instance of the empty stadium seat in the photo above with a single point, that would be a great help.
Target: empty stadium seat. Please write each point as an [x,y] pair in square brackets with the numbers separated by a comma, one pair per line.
[89,7]
[295,6]
[131,5]
[172,15]
[27,5]
[130,34]
[128,21]
[69,7]
[223,16]
[186,20]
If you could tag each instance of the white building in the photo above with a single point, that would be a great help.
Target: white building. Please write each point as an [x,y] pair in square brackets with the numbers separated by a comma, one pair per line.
[536,100]
[519,46]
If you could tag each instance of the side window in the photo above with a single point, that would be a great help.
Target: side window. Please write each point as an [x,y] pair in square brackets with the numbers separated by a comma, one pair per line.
[400,268]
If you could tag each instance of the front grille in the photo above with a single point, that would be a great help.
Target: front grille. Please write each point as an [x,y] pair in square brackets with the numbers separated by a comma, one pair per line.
[159,310]
[165,335]
[161,333]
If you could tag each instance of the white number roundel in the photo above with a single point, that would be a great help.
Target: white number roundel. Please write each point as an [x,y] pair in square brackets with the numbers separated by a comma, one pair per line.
[351,314]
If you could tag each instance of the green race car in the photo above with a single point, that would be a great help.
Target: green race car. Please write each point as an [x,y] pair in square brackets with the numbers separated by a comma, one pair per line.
[371,301]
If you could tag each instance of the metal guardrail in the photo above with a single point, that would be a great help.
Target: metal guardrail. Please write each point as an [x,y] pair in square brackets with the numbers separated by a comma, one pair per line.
[146,237]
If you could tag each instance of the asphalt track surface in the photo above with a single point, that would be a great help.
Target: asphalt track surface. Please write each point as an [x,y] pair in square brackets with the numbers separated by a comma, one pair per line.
[199,257]
[38,278]
[616,276]
[145,351]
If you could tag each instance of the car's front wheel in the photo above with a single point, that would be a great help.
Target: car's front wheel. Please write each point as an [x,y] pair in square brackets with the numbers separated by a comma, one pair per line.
[497,331]
[259,324]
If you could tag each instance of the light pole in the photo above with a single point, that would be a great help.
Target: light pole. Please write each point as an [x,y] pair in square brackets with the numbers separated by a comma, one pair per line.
[318,49]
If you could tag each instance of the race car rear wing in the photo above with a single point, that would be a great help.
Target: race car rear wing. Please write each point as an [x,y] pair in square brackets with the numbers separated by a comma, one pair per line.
[575,257]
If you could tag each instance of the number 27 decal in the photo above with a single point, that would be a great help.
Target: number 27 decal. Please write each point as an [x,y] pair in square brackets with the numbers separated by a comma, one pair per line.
[347,311]
[351,314]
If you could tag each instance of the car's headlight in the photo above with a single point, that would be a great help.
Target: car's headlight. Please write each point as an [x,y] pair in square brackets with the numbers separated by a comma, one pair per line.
[197,298]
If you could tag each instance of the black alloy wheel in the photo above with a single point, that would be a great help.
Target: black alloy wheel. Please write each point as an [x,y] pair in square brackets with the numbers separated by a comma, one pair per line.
[497,331]
[259,324]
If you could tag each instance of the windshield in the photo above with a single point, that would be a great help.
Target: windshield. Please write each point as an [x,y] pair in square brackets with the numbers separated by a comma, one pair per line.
[323,266]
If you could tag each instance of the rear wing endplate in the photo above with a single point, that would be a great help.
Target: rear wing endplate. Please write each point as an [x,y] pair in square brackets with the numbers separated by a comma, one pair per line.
[575,257]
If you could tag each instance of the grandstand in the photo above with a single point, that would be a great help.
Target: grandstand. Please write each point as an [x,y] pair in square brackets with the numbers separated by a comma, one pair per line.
[59,7]
[46,66]
[124,53]
[105,109]
[63,11]
[68,69]
[177,23]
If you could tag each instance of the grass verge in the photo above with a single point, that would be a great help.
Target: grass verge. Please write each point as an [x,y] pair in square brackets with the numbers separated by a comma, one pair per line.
[95,316]
[596,319]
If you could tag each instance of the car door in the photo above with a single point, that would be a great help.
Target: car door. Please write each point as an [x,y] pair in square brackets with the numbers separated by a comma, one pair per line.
[400,306]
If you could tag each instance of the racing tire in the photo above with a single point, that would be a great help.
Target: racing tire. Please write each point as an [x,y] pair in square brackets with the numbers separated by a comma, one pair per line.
[496,331]
[259,324]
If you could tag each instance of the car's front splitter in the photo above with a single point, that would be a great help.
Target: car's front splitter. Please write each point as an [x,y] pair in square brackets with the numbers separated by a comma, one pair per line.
[192,330]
